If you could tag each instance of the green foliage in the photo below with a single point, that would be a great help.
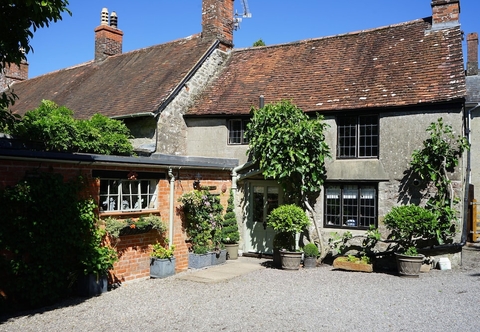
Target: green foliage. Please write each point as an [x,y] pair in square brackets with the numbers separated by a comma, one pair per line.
[230,233]
[98,258]
[203,219]
[288,218]
[55,129]
[411,251]
[19,19]
[7,120]
[290,147]
[259,42]
[162,252]
[311,250]
[46,232]
[410,224]
[439,156]
[115,227]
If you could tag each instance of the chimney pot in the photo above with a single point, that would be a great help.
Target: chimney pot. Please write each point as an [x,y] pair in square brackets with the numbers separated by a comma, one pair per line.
[104,17]
[113,20]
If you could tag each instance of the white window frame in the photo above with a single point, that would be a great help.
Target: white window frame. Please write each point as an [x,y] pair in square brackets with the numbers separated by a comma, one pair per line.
[119,195]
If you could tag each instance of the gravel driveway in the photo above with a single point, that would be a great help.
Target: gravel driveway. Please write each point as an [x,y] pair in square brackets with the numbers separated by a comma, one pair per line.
[320,299]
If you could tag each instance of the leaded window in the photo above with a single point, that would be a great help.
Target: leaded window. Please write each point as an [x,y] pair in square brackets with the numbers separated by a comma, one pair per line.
[357,136]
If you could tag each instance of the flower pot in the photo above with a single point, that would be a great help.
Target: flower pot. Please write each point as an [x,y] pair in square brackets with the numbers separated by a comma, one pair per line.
[161,268]
[219,257]
[232,250]
[290,260]
[409,266]
[310,262]
[198,261]
[91,285]
[342,263]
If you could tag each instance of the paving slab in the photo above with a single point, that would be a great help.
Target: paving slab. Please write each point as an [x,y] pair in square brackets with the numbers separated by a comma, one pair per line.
[217,273]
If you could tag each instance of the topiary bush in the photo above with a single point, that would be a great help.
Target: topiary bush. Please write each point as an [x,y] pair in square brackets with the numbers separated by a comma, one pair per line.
[288,219]
[311,250]
[230,233]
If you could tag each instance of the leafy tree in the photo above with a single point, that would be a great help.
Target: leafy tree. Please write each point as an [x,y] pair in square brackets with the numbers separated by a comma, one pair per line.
[259,42]
[290,147]
[19,19]
[55,129]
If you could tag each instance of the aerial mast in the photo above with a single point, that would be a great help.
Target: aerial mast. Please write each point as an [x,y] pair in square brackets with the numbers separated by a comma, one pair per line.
[238,17]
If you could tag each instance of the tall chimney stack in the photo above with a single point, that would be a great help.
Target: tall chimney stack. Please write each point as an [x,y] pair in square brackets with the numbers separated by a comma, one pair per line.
[13,73]
[108,38]
[472,54]
[445,13]
[217,21]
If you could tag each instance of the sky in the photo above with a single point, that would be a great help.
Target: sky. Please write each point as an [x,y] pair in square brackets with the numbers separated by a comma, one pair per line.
[70,42]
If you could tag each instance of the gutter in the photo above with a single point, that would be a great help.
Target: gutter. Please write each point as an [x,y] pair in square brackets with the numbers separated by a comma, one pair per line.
[133,115]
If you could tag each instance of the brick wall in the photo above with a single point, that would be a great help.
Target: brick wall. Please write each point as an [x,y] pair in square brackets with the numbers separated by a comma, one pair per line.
[134,250]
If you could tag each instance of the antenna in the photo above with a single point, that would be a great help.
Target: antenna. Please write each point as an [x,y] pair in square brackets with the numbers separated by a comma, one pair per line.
[238,17]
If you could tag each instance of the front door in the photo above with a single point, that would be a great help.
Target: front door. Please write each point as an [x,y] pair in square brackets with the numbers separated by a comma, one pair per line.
[263,198]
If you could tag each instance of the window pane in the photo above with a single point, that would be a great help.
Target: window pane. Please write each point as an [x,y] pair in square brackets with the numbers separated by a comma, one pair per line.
[368,144]
[350,205]
[258,203]
[235,132]
[347,137]
[332,208]
[126,195]
[367,206]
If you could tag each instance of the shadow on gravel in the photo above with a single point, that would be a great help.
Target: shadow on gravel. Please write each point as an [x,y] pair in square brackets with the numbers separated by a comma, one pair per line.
[73,301]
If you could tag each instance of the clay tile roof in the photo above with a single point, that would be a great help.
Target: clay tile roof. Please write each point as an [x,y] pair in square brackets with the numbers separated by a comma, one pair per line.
[128,83]
[398,65]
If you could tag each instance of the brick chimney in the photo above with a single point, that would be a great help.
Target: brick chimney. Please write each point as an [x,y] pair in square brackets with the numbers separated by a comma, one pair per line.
[445,13]
[13,73]
[217,21]
[472,54]
[108,38]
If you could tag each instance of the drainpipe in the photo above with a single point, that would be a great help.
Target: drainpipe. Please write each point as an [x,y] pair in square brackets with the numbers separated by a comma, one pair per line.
[171,207]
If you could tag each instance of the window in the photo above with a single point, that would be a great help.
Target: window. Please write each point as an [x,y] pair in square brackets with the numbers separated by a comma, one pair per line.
[127,195]
[236,131]
[357,136]
[350,206]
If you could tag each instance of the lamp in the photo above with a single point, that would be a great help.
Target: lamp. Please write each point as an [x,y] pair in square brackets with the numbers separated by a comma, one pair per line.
[196,182]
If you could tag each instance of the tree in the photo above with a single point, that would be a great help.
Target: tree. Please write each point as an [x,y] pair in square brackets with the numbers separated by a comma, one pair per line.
[290,147]
[17,20]
[259,42]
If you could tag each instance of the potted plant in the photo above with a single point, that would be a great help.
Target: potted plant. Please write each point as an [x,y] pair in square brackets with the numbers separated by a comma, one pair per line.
[310,253]
[288,220]
[98,259]
[162,263]
[203,219]
[411,226]
[230,233]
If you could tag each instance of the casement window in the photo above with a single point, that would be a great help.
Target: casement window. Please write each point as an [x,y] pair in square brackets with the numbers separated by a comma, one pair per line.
[350,206]
[236,131]
[357,136]
[128,191]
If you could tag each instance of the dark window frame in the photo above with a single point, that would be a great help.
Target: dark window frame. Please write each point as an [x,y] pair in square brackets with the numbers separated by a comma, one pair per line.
[358,136]
[349,208]
[237,136]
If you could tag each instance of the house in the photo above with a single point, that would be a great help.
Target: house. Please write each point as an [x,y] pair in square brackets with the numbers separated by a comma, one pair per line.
[149,90]
[472,109]
[188,101]
[378,90]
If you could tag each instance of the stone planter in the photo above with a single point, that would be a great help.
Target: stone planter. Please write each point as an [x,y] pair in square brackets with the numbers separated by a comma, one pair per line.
[342,263]
[232,250]
[291,260]
[310,262]
[162,268]
[219,257]
[198,261]
[409,266]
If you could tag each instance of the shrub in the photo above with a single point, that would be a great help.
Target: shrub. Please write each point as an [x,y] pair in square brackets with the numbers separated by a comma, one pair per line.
[311,250]
[230,233]
[162,251]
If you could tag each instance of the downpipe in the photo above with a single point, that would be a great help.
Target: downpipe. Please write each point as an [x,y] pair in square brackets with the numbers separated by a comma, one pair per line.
[171,207]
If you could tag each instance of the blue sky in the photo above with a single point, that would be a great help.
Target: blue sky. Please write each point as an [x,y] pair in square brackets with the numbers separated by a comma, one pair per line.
[149,22]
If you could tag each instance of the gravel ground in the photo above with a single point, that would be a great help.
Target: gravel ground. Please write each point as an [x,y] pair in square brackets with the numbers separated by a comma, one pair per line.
[318,299]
